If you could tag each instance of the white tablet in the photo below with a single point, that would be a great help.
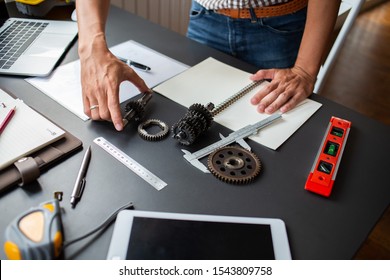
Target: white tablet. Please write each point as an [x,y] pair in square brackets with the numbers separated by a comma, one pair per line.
[144,235]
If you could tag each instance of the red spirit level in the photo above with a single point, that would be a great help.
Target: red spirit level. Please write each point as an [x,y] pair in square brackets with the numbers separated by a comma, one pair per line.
[324,170]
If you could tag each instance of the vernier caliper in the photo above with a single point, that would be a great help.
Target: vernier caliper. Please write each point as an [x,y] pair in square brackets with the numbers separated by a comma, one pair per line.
[237,136]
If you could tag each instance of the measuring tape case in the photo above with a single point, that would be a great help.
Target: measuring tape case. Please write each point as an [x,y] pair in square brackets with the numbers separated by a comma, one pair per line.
[37,234]
[327,162]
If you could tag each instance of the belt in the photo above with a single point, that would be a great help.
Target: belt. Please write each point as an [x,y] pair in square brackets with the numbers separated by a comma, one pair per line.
[268,11]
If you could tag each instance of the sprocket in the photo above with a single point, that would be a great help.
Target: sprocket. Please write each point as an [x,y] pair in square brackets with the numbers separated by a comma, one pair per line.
[137,107]
[184,133]
[196,121]
[234,165]
[156,136]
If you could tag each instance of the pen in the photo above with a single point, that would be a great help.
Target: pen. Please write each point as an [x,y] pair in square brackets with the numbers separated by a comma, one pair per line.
[80,180]
[135,64]
[7,118]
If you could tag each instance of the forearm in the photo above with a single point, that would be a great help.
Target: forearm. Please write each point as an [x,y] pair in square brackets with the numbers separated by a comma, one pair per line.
[91,19]
[321,17]
[101,72]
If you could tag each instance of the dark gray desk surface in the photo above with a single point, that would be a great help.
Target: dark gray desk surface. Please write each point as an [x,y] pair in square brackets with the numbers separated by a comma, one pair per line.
[318,228]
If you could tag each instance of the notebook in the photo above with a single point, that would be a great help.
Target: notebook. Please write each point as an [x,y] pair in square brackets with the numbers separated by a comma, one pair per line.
[27,131]
[31,47]
[214,81]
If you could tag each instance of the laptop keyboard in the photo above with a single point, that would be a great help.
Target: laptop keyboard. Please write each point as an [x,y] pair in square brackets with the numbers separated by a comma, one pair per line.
[16,39]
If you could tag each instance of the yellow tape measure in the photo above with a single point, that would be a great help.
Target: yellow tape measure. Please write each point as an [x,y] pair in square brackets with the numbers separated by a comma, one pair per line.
[39,8]
[37,233]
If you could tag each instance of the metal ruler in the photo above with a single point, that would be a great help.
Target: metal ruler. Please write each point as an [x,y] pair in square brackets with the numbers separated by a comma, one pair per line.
[130,163]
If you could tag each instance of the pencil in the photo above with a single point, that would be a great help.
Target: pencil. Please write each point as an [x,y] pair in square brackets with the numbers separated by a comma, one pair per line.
[7,118]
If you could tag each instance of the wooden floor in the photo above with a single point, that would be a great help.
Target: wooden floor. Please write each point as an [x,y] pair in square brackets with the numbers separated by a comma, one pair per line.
[360,80]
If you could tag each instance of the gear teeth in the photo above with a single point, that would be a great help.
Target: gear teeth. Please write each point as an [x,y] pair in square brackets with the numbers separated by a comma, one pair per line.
[184,133]
[153,137]
[196,121]
[202,110]
[138,108]
[234,165]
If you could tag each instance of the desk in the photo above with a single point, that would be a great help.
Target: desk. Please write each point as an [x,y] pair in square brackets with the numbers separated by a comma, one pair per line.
[318,228]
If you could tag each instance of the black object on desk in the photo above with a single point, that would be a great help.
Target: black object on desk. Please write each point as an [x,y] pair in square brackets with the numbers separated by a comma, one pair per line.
[134,63]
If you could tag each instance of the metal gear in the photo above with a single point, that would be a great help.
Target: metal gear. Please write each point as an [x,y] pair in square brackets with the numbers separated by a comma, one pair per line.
[205,112]
[135,109]
[153,137]
[184,133]
[197,120]
[234,165]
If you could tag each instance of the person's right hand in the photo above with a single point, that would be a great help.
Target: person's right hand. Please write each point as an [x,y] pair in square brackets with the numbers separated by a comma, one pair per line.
[101,75]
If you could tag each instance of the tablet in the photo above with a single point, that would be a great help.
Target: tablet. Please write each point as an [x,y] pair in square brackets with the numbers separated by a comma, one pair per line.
[146,235]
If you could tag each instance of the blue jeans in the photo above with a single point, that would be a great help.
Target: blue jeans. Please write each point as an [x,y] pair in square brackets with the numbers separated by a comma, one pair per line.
[264,42]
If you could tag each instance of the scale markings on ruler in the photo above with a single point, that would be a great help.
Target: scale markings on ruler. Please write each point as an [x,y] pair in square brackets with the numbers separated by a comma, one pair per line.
[130,163]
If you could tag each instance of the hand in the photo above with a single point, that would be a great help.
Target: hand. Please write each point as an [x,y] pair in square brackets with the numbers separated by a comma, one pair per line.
[101,75]
[287,88]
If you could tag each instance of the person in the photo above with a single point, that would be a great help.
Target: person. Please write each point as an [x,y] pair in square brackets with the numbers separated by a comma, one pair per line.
[286,45]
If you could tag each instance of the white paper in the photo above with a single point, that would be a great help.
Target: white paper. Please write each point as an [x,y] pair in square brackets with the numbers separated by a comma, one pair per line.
[27,131]
[64,85]
[214,81]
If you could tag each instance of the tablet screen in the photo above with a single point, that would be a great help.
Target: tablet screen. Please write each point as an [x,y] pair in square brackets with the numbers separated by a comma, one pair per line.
[148,235]
[153,238]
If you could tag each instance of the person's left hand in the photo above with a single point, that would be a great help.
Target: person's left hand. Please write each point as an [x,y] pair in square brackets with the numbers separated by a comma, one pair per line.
[287,88]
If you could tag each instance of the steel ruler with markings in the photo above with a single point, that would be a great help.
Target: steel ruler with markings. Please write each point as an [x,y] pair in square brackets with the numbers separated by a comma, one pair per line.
[130,163]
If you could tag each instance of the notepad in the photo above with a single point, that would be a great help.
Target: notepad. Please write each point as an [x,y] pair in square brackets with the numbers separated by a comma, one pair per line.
[214,81]
[64,85]
[27,131]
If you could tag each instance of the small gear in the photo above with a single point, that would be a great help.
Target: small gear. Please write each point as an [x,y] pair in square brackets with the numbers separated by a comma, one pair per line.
[137,107]
[234,165]
[153,137]
[184,133]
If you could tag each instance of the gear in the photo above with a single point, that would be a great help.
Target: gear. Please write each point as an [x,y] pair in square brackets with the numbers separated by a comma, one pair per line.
[153,137]
[135,109]
[184,133]
[203,111]
[234,165]
[138,109]
[197,120]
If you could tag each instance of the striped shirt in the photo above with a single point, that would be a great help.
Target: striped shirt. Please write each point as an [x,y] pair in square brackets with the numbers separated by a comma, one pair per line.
[238,4]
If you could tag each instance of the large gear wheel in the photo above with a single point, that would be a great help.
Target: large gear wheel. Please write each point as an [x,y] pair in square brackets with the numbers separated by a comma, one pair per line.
[234,165]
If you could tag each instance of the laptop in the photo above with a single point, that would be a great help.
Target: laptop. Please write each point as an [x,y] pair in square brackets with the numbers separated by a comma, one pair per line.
[32,47]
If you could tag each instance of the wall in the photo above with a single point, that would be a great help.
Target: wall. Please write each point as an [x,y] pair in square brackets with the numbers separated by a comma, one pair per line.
[172,14]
